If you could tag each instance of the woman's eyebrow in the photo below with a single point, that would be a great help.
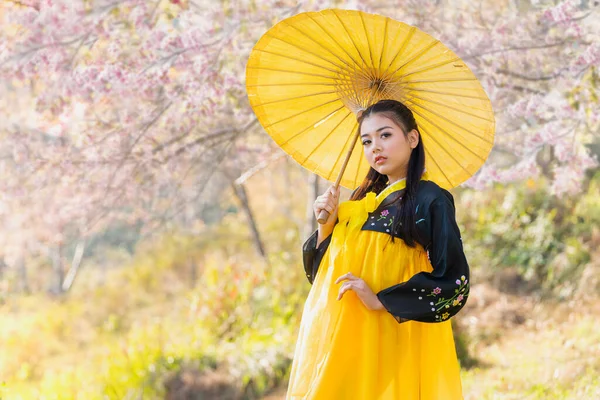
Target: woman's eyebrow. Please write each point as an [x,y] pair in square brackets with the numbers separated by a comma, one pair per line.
[380,129]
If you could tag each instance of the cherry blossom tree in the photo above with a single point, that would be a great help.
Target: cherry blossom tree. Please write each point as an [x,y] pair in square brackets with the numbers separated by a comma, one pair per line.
[127,110]
[135,103]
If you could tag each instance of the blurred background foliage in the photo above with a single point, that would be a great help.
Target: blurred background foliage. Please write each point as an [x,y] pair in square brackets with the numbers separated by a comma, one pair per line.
[189,281]
[186,315]
[548,239]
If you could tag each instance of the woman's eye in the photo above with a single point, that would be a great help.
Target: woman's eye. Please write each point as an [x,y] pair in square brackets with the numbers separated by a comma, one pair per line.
[366,142]
[386,134]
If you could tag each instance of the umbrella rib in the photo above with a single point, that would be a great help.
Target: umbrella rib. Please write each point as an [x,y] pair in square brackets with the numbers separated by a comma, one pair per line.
[301,112]
[335,41]
[323,47]
[296,59]
[288,71]
[450,136]
[337,160]
[351,39]
[373,93]
[324,139]
[440,64]
[443,148]
[448,93]
[485,139]
[438,166]
[294,98]
[292,84]
[415,57]
[309,127]
[362,18]
[451,108]
[385,34]
[349,91]
[396,88]
[305,50]
[355,92]
[442,80]
[409,36]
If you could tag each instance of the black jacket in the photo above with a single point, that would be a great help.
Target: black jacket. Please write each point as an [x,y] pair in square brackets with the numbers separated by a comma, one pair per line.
[447,286]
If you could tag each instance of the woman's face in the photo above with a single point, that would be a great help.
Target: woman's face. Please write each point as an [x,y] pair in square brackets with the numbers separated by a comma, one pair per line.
[386,147]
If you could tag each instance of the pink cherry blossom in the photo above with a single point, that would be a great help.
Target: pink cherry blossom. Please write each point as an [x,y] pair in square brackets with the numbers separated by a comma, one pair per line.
[120,112]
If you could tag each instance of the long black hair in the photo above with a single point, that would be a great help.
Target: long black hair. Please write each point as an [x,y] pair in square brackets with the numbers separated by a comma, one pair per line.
[376,182]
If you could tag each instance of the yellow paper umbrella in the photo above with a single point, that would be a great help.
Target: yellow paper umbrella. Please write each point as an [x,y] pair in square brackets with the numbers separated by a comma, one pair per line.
[310,75]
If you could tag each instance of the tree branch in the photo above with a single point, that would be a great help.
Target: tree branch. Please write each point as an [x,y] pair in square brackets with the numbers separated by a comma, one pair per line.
[162,146]
[518,48]
[530,78]
[125,157]
[217,134]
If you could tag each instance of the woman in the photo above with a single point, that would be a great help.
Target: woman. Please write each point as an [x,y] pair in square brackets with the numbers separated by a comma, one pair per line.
[388,271]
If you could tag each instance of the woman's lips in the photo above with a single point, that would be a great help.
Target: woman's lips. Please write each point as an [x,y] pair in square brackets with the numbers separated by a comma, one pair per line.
[380,160]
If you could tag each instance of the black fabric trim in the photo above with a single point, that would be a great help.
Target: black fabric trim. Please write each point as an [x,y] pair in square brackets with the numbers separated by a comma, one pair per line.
[312,256]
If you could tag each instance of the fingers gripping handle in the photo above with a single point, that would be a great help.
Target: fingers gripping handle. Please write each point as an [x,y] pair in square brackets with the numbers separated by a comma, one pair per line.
[323,217]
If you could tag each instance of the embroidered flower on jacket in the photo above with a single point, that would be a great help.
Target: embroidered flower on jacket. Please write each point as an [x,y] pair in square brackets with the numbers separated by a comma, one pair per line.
[385,214]
[452,304]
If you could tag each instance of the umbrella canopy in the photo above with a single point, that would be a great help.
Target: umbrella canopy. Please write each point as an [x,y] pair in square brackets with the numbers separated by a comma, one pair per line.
[310,75]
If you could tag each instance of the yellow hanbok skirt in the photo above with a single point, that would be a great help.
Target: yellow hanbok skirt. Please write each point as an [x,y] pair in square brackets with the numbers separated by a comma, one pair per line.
[346,351]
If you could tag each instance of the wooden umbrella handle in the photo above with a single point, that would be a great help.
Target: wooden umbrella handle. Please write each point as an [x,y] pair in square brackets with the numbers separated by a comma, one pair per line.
[323,217]
[324,214]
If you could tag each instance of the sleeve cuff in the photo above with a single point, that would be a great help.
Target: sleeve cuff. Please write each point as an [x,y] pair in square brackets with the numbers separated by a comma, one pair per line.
[312,255]
[388,308]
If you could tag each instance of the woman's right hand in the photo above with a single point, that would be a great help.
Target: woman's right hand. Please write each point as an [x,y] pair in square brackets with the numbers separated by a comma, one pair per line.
[328,201]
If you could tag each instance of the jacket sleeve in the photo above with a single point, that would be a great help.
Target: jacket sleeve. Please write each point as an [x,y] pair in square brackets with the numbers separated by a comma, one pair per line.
[435,296]
[312,256]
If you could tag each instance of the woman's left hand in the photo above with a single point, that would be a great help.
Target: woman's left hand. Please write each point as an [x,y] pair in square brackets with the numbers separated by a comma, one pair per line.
[362,290]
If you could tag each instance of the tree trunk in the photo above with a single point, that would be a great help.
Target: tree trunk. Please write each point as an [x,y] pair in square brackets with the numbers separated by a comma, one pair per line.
[313,192]
[2,267]
[75,264]
[3,283]
[57,269]
[193,268]
[22,279]
[240,192]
